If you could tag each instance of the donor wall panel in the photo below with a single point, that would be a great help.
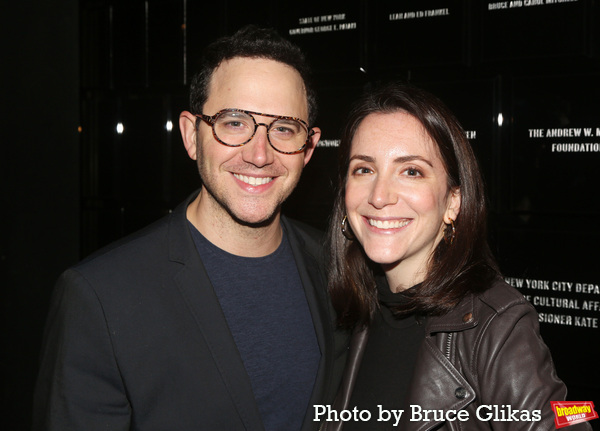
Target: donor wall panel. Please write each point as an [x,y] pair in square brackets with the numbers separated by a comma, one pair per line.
[328,32]
[558,273]
[548,233]
[418,33]
[555,145]
[534,28]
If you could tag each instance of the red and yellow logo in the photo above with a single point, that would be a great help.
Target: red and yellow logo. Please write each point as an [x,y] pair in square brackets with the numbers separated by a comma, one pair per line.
[572,412]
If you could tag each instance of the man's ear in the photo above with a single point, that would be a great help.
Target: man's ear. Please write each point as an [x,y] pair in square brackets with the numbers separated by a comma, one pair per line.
[311,144]
[187,126]
[453,209]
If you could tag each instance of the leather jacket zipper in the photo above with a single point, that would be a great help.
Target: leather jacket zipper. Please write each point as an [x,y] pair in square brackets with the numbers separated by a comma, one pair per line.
[448,345]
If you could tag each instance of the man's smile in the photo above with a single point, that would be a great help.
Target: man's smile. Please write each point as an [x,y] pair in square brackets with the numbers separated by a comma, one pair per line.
[253,181]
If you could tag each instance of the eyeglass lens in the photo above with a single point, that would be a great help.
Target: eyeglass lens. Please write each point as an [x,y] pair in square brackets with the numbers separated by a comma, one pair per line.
[236,128]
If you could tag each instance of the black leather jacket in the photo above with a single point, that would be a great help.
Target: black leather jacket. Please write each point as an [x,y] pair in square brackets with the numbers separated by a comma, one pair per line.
[487,357]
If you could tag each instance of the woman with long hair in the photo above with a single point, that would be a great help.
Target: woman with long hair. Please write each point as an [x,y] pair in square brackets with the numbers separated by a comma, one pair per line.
[437,333]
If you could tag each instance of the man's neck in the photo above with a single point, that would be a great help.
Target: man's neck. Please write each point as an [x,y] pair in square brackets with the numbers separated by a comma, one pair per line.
[228,234]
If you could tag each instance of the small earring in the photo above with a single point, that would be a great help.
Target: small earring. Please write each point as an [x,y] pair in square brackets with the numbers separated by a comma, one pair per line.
[346,230]
[450,233]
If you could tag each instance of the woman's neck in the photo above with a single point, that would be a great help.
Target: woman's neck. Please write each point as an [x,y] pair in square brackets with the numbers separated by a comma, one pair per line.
[403,275]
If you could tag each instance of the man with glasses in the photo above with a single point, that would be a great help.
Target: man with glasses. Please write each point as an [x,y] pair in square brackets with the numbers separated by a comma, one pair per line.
[215,318]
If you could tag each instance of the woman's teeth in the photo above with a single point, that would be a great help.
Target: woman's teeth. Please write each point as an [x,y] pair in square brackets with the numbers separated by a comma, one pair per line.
[388,224]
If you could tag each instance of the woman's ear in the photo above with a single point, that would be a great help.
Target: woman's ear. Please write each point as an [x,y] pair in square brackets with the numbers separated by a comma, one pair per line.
[187,126]
[453,209]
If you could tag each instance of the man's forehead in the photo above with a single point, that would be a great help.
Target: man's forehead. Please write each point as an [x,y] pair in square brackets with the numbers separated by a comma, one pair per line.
[247,66]
[256,83]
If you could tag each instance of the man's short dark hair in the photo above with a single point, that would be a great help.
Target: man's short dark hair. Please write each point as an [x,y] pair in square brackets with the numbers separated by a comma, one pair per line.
[251,42]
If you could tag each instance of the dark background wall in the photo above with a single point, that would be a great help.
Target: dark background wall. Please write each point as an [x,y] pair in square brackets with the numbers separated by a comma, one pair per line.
[92,90]
[39,186]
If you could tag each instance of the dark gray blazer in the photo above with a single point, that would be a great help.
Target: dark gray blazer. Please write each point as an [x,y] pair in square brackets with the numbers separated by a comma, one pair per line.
[136,339]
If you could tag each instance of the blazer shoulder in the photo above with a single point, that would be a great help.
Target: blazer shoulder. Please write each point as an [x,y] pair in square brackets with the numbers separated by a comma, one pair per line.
[310,237]
[134,246]
[169,233]
[306,229]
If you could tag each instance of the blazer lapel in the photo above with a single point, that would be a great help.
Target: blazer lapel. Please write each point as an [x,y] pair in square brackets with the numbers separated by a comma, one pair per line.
[315,289]
[313,282]
[195,287]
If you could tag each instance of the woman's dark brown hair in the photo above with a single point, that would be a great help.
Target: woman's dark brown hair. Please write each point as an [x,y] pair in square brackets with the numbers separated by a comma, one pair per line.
[464,266]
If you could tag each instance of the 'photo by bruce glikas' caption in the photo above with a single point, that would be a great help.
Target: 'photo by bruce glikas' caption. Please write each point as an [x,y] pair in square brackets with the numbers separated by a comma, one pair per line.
[503,413]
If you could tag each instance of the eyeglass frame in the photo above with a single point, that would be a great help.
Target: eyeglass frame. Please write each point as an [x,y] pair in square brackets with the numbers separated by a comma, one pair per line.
[211,119]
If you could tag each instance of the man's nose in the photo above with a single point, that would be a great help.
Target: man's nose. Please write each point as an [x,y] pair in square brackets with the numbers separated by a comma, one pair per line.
[258,151]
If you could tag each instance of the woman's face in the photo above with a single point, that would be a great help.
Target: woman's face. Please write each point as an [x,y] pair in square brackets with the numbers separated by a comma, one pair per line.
[397,195]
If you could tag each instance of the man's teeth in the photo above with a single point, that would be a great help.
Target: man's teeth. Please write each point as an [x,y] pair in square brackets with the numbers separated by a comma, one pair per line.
[387,224]
[253,181]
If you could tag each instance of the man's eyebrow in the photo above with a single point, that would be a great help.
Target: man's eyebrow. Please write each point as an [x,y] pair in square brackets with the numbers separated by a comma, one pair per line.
[401,159]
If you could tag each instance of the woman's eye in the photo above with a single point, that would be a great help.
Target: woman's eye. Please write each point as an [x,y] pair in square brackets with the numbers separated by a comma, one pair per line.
[413,172]
[361,171]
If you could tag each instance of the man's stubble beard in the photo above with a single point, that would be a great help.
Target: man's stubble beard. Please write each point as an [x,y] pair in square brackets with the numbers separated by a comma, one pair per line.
[222,203]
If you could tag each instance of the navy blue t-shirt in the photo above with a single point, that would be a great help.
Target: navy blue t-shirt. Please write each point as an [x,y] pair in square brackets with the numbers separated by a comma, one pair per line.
[265,306]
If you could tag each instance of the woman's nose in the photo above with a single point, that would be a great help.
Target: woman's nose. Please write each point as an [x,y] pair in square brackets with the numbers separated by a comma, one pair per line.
[382,194]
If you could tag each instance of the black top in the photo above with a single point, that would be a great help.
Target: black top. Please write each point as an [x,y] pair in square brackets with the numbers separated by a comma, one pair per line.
[387,365]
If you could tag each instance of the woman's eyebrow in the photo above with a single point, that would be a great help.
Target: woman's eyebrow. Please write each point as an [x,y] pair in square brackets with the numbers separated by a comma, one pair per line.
[401,159]
[362,157]
[404,159]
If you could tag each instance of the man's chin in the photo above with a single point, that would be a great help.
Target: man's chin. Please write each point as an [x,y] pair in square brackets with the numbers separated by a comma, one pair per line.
[256,221]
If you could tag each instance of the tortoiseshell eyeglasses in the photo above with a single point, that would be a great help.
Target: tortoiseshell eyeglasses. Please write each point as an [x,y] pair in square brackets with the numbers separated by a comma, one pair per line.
[237,127]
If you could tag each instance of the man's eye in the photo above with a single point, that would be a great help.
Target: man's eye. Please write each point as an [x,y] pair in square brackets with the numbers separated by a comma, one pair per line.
[283,130]
[285,127]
